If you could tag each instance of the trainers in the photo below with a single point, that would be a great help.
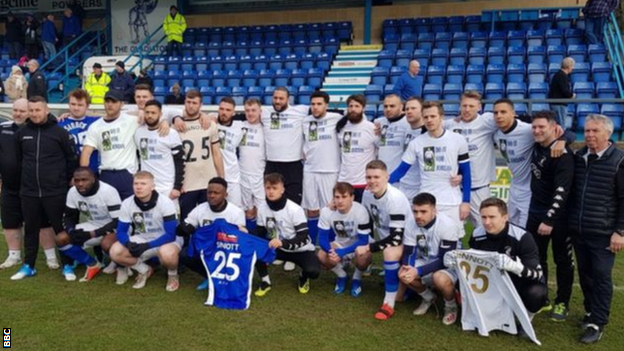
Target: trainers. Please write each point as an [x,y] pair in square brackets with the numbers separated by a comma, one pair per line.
[203,285]
[341,285]
[384,313]
[68,273]
[585,321]
[559,313]
[53,263]
[141,279]
[24,272]
[304,285]
[278,262]
[122,275]
[10,262]
[450,315]
[289,266]
[91,272]
[110,269]
[356,288]
[263,289]
[423,307]
[546,308]
[368,271]
[592,334]
[173,283]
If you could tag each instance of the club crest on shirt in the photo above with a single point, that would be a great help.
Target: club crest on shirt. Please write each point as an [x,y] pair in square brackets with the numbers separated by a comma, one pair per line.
[382,136]
[341,229]
[107,143]
[313,131]
[275,121]
[138,222]
[244,132]
[143,149]
[346,142]
[502,145]
[429,158]
[421,243]
[271,226]
[83,207]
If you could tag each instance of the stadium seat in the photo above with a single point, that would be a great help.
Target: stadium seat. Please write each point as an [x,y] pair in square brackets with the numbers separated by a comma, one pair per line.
[270,47]
[203,78]
[521,109]
[554,37]
[160,64]
[577,52]
[267,98]
[265,77]
[255,92]
[391,41]
[160,91]
[243,34]
[442,40]
[475,73]
[597,53]
[553,68]
[300,46]
[307,61]
[540,107]
[245,62]
[606,90]
[282,77]
[515,55]
[406,26]
[472,23]
[188,78]
[555,53]
[451,111]
[323,61]
[582,110]
[439,24]
[509,20]
[460,40]
[249,78]
[408,41]
[172,77]
[422,56]
[498,39]
[373,92]
[614,112]
[478,39]
[385,58]
[403,58]
[494,91]
[227,48]
[387,90]
[276,62]
[316,45]
[228,34]
[601,71]
[331,45]
[188,64]
[476,56]
[574,36]
[432,91]
[230,63]
[425,40]
[315,77]
[536,54]
[439,57]
[515,38]
[584,90]
[379,76]
[496,55]
[495,73]
[344,31]
[474,87]
[222,92]
[455,74]
[580,72]
[516,72]
[422,25]
[216,63]
[239,94]
[396,73]
[538,90]
[260,62]
[256,47]
[371,112]
[298,77]
[455,24]
[174,63]
[516,91]
[292,61]
[305,92]
[242,48]
[452,91]
[458,56]
[435,74]
[535,38]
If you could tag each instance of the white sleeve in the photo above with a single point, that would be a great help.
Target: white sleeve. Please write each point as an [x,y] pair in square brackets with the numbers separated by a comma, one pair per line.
[125,214]
[363,219]
[170,113]
[411,154]
[449,124]
[168,208]
[489,123]
[71,198]
[240,218]
[92,136]
[324,220]
[262,216]
[298,216]
[113,202]
[193,217]
[462,146]
[174,139]
[409,237]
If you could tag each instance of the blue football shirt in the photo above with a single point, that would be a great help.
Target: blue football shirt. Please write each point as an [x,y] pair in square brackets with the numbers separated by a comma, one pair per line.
[78,130]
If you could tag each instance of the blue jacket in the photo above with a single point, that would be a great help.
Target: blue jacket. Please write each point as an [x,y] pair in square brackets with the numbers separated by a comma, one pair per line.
[48,32]
[408,86]
[71,26]
[123,83]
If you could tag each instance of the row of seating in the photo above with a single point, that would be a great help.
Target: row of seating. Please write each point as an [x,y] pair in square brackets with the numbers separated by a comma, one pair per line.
[235,78]
[269,47]
[339,30]
[259,62]
[487,39]
[212,95]
[479,56]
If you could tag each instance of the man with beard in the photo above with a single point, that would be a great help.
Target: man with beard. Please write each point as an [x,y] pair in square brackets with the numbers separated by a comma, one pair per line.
[230,136]
[410,184]
[393,130]
[161,156]
[357,145]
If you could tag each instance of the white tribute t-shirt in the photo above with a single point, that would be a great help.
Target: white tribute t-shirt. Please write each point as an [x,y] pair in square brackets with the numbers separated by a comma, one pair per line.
[156,155]
[230,138]
[281,224]
[202,215]
[320,146]
[283,132]
[346,226]
[115,142]
[392,140]
[97,210]
[357,149]
[251,151]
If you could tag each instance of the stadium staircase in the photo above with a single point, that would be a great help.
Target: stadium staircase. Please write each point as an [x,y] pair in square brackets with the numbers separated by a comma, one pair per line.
[350,72]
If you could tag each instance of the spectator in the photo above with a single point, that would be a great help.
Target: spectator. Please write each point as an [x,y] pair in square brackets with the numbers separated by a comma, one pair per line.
[560,88]
[31,37]
[409,84]
[145,79]
[2,91]
[122,81]
[596,13]
[37,85]
[48,37]
[71,28]
[176,97]
[78,11]
[97,84]
[14,36]
[596,220]
[16,85]
[174,26]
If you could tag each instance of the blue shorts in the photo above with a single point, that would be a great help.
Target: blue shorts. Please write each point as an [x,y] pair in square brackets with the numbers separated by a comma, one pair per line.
[121,180]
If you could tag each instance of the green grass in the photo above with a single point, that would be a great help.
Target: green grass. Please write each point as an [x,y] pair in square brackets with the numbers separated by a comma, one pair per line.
[47,313]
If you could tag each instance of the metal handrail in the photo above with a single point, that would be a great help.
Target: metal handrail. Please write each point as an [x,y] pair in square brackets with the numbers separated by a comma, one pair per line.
[139,49]
[615,46]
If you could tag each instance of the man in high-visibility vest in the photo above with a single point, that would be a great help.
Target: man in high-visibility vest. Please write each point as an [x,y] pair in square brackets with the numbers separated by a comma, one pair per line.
[174,26]
[97,84]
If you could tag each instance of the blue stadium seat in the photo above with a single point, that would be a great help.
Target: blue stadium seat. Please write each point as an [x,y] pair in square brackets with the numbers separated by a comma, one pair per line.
[422,56]
[390,26]
[455,74]
[160,64]
[292,61]
[344,31]
[285,47]
[460,40]
[538,90]
[516,90]
[478,39]
[229,34]
[580,72]
[200,49]
[472,23]
[554,37]
[203,78]
[379,76]
[498,39]
[521,109]
[614,112]
[601,71]
[432,91]
[578,52]
[553,68]
[249,78]
[406,26]
[597,53]
[403,58]
[476,56]
[276,62]
[494,91]
[215,34]
[230,63]
[388,89]
[245,62]
[451,111]
[242,48]
[556,53]
[315,77]
[474,87]
[305,92]
[439,57]
[160,77]
[456,24]
[515,38]
[574,36]
[315,45]
[475,73]
[239,94]
[606,90]
[540,107]
[328,30]
[307,61]
[425,40]
[396,73]
[187,49]
[227,48]
[282,77]
[188,63]
[373,92]
[536,54]
[323,61]
[422,25]
[300,46]
[435,74]
[284,31]
[314,30]
[331,45]
[260,62]
[202,35]
[442,40]
[174,63]
[509,19]
[439,24]
[256,47]
[515,55]
[267,97]
[535,38]
[160,91]
[298,77]
[243,34]
[391,41]
[255,92]
[270,47]
[188,78]
[458,56]
[584,90]
[496,55]
[370,111]
[582,110]
[408,41]
[222,92]
[216,63]
[173,77]
[452,91]
[515,73]
[213,49]
[385,58]
[495,73]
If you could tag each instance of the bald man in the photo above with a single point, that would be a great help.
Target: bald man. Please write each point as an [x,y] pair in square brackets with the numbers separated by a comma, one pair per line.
[10,204]
[410,83]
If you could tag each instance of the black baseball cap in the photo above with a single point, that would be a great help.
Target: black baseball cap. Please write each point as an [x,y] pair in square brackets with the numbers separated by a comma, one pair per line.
[97,65]
[114,95]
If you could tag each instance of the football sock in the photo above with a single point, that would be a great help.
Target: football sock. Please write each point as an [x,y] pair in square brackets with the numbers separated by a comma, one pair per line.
[357,275]
[172,272]
[450,303]
[251,225]
[266,279]
[427,295]
[15,254]
[50,253]
[339,271]
[78,254]
[141,267]
[391,278]
[313,228]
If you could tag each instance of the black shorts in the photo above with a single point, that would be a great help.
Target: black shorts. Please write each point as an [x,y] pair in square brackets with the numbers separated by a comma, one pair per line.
[11,210]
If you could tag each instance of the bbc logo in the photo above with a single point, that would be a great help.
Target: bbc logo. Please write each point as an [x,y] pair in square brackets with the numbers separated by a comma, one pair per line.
[6,338]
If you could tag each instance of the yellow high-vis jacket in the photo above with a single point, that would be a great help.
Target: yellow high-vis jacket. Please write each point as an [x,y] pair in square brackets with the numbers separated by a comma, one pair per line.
[174,27]
[97,88]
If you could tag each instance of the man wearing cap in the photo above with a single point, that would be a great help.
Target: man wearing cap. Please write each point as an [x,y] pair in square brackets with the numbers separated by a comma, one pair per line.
[97,84]
[122,81]
[174,26]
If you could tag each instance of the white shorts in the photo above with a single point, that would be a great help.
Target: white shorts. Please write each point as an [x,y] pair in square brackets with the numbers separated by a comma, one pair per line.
[428,279]
[234,194]
[153,252]
[409,191]
[252,191]
[476,198]
[518,206]
[453,213]
[317,189]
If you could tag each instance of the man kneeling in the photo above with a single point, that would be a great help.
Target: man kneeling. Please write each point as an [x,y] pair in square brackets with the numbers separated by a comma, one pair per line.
[153,220]
[425,244]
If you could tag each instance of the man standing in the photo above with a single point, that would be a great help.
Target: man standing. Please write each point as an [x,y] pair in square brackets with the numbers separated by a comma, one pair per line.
[97,84]
[77,123]
[174,26]
[410,184]
[596,13]
[49,37]
[230,136]
[596,220]
[14,36]
[551,182]
[10,202]
[283,132]
[409,84]
[322,159]
[47,160]
[37,85]
[393,129]
[122,81]
[71,28]
[560,88]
